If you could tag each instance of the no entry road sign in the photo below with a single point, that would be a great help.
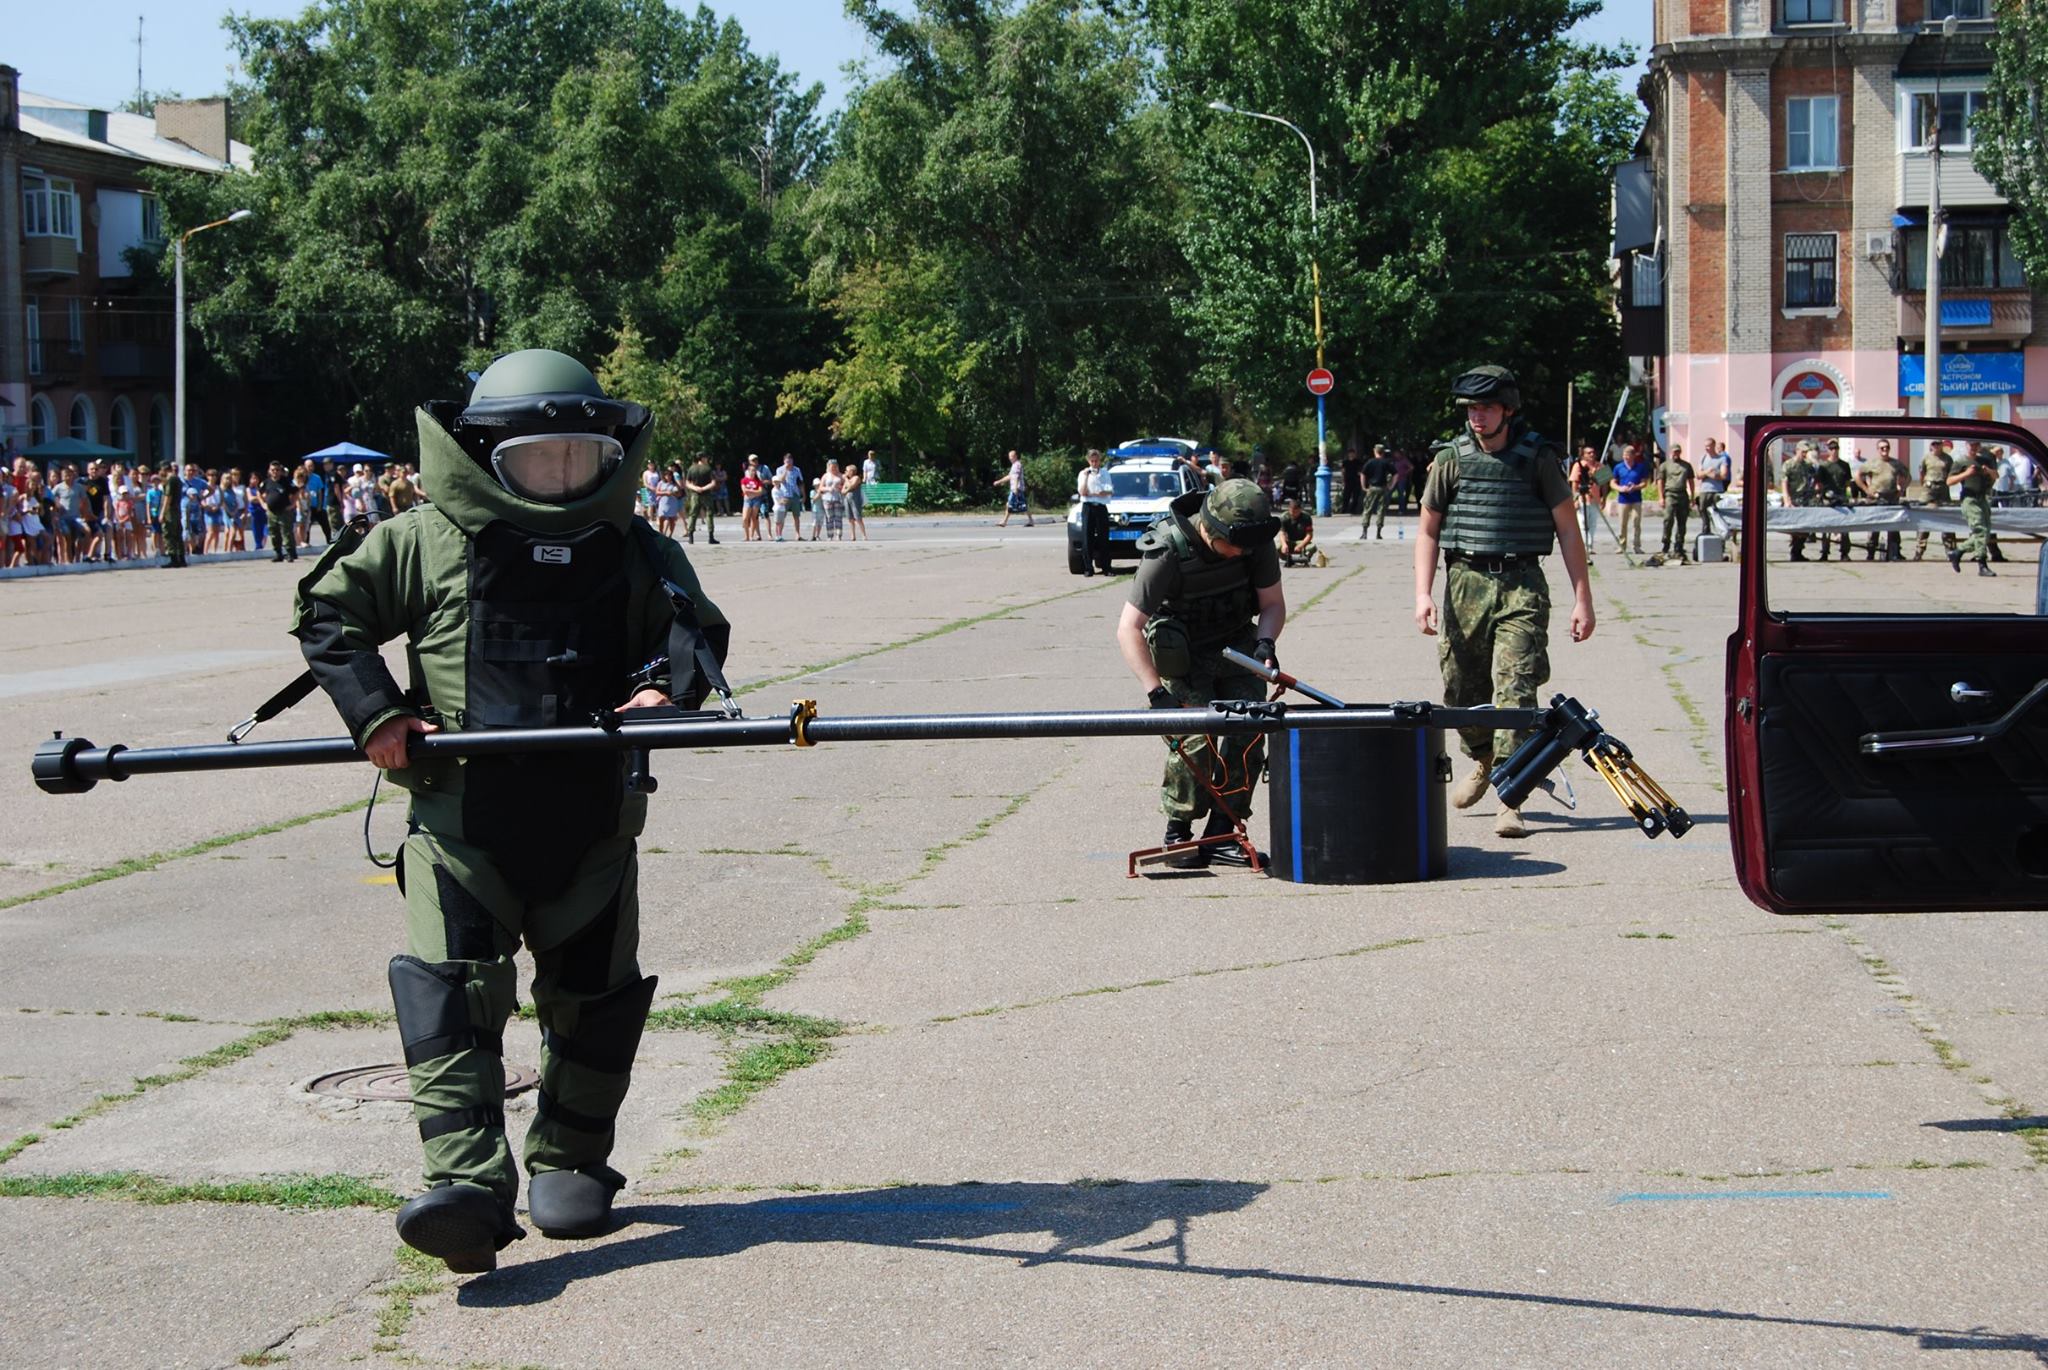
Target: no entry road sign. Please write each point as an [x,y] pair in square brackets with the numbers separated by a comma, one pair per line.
[1321,382]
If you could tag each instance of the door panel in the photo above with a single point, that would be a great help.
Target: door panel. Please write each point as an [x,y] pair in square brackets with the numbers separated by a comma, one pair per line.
[1818,823]
[1848,829]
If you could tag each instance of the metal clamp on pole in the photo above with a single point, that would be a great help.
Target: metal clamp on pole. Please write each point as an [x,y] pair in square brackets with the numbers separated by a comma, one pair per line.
[800,715]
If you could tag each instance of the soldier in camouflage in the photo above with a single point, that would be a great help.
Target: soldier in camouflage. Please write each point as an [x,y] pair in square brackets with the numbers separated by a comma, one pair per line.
[1497,502]
[1799,483]
[1883,482]
[1976,474]
[1934,472]
[1209,579]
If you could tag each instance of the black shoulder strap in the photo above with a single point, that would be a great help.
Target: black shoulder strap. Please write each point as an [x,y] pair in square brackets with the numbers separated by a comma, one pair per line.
[694,668]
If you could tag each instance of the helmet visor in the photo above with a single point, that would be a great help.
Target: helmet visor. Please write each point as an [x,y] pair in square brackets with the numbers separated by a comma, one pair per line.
[555,468]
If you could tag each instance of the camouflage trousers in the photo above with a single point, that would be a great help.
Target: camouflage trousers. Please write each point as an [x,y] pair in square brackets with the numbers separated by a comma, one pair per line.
[699,507]
[1232,764]
[466,919]
[1375,509]
[1977,517]
[1494,646]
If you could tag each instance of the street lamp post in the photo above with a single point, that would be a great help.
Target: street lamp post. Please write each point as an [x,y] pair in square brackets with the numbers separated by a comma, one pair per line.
[1932,344]
[1323,473]
[178,326]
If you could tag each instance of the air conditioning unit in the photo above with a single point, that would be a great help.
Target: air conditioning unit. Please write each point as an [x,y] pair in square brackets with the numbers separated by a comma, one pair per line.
[1877,246]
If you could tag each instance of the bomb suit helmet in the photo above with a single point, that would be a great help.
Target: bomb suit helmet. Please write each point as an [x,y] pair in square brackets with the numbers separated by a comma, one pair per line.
[540,424]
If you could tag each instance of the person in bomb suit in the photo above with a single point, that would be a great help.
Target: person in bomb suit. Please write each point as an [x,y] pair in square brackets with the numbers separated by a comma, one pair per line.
[1497,502]
[530,596]
[1209,578]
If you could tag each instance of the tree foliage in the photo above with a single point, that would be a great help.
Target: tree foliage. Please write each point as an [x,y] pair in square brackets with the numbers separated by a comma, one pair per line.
[1025,230]
[1464,147]
[437,182]
[2011,134]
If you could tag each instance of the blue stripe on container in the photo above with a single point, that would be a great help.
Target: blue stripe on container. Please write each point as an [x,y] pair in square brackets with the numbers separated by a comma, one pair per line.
[1294,795]
[1688,1197]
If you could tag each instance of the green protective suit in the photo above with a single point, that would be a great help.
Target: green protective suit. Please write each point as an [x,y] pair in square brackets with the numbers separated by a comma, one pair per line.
[515,614]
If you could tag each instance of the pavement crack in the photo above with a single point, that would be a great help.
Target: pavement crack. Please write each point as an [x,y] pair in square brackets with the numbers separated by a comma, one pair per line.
[1161,982]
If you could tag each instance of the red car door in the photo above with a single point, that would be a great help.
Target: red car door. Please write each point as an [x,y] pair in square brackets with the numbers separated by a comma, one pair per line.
[1889,753]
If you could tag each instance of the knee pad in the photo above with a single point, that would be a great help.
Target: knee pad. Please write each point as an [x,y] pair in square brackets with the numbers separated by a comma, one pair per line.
[450,1006]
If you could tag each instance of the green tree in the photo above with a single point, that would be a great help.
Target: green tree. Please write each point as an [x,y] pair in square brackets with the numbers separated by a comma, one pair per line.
[441,181]
[2011,134]
[1006,191]
[1465,148]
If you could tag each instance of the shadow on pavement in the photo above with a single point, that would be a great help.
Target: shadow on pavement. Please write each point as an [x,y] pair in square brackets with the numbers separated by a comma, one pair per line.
[1481,863]
[968,1220]
[1988,1124]
[938,1218]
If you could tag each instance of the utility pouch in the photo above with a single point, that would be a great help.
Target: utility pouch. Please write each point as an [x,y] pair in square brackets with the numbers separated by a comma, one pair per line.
[1172,652]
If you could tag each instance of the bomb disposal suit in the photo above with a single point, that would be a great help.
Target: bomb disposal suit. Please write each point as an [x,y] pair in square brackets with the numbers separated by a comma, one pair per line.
[529,597]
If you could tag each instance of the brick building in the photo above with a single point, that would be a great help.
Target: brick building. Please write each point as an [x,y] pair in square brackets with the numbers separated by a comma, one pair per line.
[85,339]
[1772,235]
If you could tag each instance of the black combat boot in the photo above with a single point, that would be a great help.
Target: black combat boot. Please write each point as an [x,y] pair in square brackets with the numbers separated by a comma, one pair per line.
[1180,830]
[1227,853]
[1955,560]
[1982,568]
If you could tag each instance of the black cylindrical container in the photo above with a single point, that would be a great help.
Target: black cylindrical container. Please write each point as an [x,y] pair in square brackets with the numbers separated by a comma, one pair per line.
[1358,806]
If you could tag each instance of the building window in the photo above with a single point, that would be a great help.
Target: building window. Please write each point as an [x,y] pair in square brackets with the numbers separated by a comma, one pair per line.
[152,219]
[1810,143]
[1976,256]
[1938,10]
[1958,108]
[34,312]
[121,426]
[1646,280]
[1810,11]
[84,426]
[75,344]
[42,421]
[1810,270]
[49,207]
[159,430]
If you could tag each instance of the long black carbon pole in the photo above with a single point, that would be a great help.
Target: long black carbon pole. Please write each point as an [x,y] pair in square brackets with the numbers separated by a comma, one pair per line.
[71,765]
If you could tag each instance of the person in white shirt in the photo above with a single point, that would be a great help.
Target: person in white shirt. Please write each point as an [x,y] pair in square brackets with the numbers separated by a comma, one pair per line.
[870,470]
[1092,485]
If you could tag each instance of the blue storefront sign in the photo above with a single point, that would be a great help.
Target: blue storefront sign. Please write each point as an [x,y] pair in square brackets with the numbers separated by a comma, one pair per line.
[1966,373]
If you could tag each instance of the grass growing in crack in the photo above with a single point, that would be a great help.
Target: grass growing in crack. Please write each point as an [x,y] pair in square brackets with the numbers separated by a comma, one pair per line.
[261,1358]
[266,1034]
[753,1069]
[418,1276]
[136,865]
[1319,596]
[284,1191]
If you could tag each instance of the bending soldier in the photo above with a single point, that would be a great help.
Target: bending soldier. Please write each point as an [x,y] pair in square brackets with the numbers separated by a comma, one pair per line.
[529,594]
[1497,501]
[1209,579]
[1298,538]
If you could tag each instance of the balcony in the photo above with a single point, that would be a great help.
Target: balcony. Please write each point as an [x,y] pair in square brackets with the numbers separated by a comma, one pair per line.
[48,258]
[1971,316]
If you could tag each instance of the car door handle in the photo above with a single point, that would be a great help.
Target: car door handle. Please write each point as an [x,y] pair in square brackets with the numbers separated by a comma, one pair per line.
[1933,740]
[1962,692]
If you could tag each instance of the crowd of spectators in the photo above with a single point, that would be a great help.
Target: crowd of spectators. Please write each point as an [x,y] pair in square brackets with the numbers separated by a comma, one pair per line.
[113,512]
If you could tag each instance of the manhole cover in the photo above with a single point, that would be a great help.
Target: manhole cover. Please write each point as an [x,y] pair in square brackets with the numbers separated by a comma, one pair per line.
[382,1083]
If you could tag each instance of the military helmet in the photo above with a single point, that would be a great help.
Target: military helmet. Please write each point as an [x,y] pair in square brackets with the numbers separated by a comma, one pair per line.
[1239,512]
[539,422]
[1489,385]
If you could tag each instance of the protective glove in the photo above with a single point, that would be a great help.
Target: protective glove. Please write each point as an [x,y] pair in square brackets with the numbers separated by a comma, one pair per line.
[1159,697]
[1265,651]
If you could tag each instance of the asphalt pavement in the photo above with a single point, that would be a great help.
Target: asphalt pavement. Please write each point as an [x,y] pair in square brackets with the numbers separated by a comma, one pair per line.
[992,1102]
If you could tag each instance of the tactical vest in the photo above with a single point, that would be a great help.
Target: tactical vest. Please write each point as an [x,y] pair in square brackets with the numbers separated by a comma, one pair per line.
[1497,509]
[1215,599]
[1934,474]
[1800,482]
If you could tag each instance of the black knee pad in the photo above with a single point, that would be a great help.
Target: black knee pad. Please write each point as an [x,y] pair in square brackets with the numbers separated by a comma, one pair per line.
[437,1013]
[607,1035]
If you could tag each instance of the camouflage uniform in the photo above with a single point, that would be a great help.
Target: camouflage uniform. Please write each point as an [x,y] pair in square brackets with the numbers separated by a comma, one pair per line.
[1675,475]
[1935,469]
[1885,480]
[1802,489]
[700,506]
[1835,480]
[1495,647]
[1976,506]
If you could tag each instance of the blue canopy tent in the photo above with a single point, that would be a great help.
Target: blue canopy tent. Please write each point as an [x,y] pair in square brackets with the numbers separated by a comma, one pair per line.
[348,452]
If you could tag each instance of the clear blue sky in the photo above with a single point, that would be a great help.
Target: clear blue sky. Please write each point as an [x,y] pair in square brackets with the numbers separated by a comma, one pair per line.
[84,50]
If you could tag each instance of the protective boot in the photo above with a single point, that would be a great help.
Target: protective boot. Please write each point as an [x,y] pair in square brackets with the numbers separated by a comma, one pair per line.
[573,1203]
[1180,830]
[465,1225]
[1510,824]
[1982,569]
[1226,853]
[1466,792]
[1955,560]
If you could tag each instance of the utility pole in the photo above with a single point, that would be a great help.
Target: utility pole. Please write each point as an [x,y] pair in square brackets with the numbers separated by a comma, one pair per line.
[1936,230]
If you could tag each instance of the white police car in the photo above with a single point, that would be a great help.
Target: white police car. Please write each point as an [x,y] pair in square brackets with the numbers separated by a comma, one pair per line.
[1145,476]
